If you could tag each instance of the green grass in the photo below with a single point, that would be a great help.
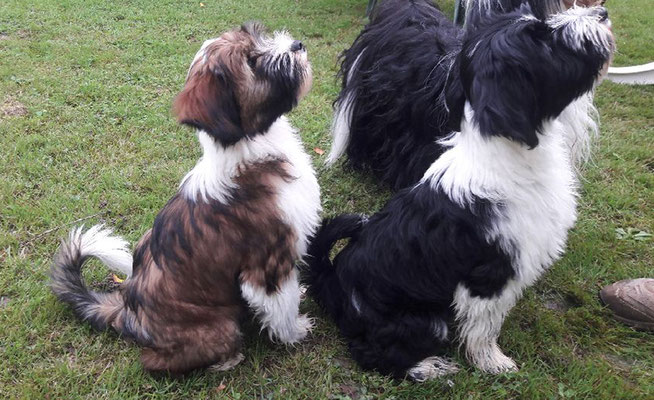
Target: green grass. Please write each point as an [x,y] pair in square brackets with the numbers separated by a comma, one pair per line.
[86,130]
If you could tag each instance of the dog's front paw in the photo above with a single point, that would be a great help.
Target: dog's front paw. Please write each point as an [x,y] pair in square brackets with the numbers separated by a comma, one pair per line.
[297,331]
[495,362]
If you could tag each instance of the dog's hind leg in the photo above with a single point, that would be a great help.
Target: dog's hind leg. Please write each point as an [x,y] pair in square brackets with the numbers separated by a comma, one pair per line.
[480,322]
[216,345]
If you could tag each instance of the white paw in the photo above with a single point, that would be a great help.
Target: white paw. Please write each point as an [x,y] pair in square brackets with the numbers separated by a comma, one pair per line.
[227,365]
[296,331]
[494,362]
[432,368]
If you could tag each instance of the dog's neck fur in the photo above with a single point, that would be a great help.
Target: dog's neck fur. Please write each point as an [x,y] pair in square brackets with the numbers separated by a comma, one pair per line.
[495,167]
[533,191]
[212,178]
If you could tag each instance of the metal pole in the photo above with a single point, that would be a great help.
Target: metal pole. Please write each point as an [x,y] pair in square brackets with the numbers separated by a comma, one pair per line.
[371,6]
[459,12]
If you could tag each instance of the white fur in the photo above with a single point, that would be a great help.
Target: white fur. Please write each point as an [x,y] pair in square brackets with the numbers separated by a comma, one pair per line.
[342,120]
[279,312]
[579,25]
[439,329]
[537,190]
[579,120]
[340,129]
[431,368]
[212,176]
[480,322]
[99,242]
[299,200]
[281,43]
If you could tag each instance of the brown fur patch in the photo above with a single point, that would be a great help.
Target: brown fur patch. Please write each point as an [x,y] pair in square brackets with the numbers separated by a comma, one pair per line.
[185,290]
[210,98]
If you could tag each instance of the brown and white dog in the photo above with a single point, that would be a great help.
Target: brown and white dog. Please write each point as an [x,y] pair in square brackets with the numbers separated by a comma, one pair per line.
[232,234]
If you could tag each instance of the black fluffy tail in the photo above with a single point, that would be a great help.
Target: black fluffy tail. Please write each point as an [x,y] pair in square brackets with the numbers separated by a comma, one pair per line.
[320,277]
[101,310]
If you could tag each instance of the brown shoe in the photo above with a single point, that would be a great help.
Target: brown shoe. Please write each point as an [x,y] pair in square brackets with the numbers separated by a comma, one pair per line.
[632,301]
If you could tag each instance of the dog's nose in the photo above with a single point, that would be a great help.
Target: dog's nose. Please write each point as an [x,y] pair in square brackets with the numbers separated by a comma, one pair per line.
[297,46]
[603,14]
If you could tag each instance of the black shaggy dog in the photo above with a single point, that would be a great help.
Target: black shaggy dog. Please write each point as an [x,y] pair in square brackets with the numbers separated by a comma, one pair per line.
[392,106]
[489,216]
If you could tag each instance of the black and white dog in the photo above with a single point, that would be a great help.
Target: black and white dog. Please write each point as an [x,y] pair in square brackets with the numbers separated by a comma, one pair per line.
[489,216]
[392,107]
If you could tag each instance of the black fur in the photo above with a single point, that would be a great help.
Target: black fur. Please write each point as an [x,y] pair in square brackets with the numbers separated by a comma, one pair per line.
[403,266]
[398,108]
[513,96]
[478,10]
[403,87]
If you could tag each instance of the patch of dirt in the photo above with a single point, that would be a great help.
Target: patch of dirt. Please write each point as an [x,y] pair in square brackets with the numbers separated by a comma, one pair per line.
[619,362]
[556,303]
[21,34]
[12,108]
[649,164]
[343,362]
[351,391]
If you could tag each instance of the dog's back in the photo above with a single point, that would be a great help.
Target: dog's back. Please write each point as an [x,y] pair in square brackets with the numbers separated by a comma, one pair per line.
[390,108]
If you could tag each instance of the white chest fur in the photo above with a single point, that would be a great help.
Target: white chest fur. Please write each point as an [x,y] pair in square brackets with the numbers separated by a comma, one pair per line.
[298,199]
[533,191]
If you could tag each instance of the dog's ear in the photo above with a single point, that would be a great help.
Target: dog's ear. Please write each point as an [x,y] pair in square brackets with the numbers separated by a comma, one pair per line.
[506,105]
[503,76]
[208,101]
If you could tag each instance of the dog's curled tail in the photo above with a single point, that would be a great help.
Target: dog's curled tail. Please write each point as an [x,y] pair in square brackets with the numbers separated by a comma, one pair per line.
[320,276]
[101,310]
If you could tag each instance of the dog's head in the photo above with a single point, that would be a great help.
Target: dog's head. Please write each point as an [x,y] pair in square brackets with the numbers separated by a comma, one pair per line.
[241,82]
[517,71]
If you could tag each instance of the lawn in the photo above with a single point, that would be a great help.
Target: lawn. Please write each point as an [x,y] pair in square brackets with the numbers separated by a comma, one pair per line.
[86,132]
